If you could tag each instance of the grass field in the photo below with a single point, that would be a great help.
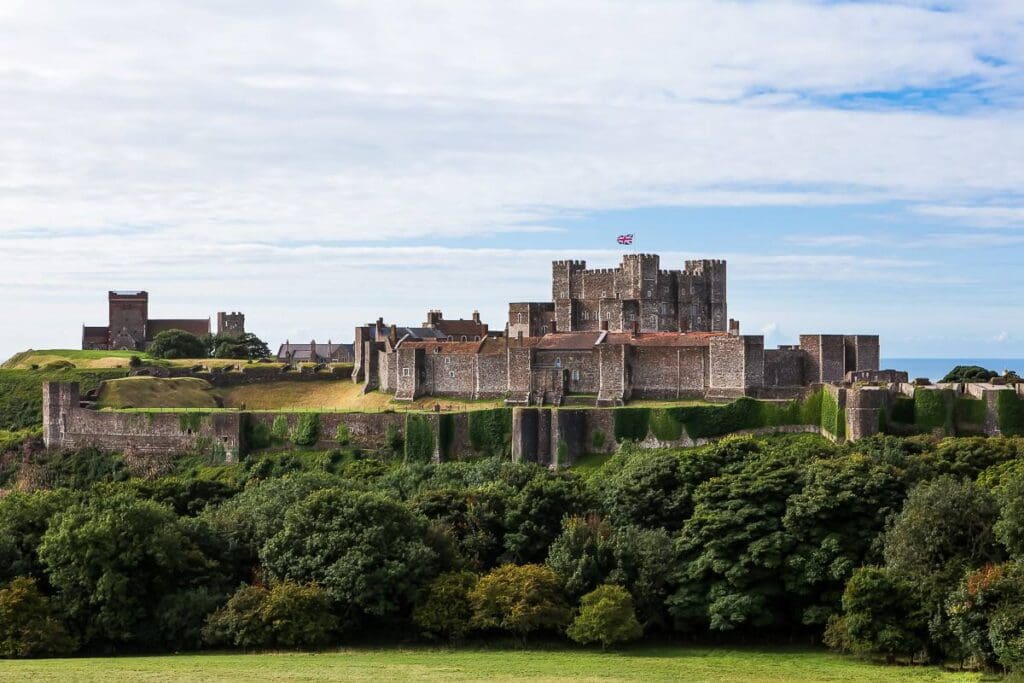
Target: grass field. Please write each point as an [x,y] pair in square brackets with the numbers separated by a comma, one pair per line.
[153,392]
[94,360]
[420,664]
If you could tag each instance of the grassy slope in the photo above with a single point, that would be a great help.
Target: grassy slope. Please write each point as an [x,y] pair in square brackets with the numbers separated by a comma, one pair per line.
[21,392]
[153,392]
[645,663]
[102,359]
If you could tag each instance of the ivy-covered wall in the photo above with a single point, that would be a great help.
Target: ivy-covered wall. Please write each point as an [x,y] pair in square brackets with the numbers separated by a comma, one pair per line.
[1010,413]
[419,438]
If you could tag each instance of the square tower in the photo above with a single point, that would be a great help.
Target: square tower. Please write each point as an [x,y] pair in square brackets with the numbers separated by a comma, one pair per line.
[128,315]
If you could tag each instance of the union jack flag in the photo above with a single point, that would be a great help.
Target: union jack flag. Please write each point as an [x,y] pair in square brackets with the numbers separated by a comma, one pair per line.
[626,239]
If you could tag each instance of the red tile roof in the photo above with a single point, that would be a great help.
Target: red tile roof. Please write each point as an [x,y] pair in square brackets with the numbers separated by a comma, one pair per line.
[445,347]
[673,339]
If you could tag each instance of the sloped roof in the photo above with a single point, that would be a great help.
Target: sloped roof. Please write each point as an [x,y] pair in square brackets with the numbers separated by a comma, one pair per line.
[445,347]
[197,326]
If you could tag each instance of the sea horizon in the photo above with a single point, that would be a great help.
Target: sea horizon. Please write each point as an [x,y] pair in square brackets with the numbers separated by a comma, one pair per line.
[936,368]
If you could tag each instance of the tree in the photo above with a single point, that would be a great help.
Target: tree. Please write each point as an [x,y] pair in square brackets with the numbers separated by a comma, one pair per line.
[973,606]
[534,514]
[445,610]
[641,557]
[176,344]
[243,346]
[369,553]
[1010,527]
[113,559]
[733,550]
[475,518]
[606,616]
[23,521]
[298,615]
[969,373]
[944,530]
[882,614]
[520,599]
[835,521]
[28,625]
[240,622]
[582,555]
[656,489]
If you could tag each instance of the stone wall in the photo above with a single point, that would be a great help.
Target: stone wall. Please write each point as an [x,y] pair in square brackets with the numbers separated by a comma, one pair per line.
[67,425]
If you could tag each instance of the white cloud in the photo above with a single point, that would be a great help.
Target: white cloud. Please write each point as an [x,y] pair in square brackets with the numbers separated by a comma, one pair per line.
[240,154]
[978,216]
[1002,337]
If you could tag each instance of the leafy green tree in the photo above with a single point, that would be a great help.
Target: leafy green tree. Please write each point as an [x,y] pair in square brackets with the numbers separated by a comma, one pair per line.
[112,560]
[29,626]
[944,530]
[475,518]
[1010,526]
[245,522]
[641,558]
[734,548]
[534,514]
[981,595]
[1006,633]
[656,489]
[969,373]
[882,614]
[246,346]
[606,616]
[520,599]
[370,553]
[445,610]
[835,521]
[176,344]
[582,555]
[23,521]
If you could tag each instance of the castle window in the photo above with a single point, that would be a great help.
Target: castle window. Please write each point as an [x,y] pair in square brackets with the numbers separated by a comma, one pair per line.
[447,360]
[463,338]
[649,294]
[451,373]
[406,372]
[576,375]
[558,362]
[519,317]
[476,337]
[451,338]
[543,329]
[604,295]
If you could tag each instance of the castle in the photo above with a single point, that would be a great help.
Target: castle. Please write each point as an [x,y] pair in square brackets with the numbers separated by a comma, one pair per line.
[608,336]
[129,327]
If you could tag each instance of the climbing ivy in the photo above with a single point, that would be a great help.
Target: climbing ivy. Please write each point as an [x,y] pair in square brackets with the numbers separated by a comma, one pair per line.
[933,409]
[419,439]
[1010,413]
[631,424]
[490,430]
[446,433]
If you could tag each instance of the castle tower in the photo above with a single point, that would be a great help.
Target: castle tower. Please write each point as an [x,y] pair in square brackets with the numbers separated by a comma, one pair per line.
[231,324]
[128,315]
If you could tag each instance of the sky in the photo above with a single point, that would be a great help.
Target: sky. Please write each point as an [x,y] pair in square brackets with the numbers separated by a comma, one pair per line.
[317,164]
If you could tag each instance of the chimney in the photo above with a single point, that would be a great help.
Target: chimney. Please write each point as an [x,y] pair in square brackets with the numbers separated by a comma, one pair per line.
[636,328]
[734,327]
[554,327]
[379,328]
[604,325]
[476,317]
[394,335]
[434,318]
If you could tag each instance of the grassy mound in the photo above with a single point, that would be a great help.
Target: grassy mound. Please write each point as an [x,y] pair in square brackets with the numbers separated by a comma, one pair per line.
[156,392]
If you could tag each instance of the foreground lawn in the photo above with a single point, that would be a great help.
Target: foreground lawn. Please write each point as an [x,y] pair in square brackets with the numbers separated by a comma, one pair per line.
[647,664]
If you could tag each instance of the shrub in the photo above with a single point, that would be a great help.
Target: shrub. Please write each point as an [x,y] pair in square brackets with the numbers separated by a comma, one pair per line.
[969,373]
[665,424]
[342,435]
[298,615]
[240,622]
[606,616]
[307,430]
[258,434]
[28,626]
[520,599]
[445,611]
[1006,633]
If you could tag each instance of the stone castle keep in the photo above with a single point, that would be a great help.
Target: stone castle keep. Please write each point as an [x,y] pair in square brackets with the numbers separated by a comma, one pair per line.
[608,336]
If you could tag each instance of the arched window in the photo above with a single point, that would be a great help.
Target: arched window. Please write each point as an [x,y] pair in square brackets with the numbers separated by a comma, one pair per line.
[558,362]
[463,338]
[519,317]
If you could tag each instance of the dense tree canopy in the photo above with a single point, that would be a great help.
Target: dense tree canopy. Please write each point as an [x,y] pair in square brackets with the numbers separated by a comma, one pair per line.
[905,548]
[176,344]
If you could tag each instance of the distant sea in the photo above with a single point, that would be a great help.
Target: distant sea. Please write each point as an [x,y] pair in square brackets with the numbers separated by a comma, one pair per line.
[936,368]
